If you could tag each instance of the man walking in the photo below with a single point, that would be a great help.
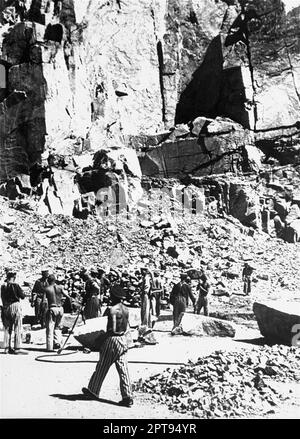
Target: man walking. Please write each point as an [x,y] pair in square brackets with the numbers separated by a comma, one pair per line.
[54,294]
[11,315]
[113,350]
[38,299]
[179,298]
[203,288]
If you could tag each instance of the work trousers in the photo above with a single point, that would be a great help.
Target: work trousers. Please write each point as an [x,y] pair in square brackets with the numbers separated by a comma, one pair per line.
[178,307]
[145,311]
[247,284]
[53,320]
[40,310]
[12,321]
[91,309]
[112,351]
[202,303]
[155,304]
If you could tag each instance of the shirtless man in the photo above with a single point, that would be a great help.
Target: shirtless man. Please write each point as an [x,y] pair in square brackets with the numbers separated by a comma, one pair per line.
[54,294]
[113,350]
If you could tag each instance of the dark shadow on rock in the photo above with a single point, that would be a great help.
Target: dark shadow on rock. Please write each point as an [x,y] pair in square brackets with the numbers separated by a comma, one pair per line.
[81,397]
[260,341]
[201,96]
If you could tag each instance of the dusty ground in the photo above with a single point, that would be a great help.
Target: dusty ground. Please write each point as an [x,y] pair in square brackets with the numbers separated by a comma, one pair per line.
[38,389]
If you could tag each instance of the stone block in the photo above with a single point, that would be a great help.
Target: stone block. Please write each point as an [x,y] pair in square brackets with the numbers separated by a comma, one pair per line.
[69,319]
[93,333]
[277,320]
[199,325]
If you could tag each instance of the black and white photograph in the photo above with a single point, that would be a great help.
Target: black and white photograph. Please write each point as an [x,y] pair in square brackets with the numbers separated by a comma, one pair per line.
[150,212]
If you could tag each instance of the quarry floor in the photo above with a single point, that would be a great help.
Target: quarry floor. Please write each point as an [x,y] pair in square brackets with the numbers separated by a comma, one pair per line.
[52,390]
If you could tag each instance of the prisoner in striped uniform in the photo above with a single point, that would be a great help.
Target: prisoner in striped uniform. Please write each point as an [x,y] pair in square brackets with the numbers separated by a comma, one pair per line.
[113,350]
[11,314]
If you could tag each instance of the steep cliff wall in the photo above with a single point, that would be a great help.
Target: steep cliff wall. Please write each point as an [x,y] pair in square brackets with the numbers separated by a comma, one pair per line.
[81,76]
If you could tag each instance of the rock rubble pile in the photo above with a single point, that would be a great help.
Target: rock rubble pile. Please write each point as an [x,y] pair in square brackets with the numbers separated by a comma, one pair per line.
[219,245]
[227,384]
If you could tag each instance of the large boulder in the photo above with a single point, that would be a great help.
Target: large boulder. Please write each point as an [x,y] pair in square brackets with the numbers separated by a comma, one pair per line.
[277,320]
[93,333]
[244,204]
[220,149]
[292,232]
[68,320]
[200,325]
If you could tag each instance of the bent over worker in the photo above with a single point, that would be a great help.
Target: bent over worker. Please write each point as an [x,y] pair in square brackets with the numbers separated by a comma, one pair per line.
[54,294]
[179,298]
[11,314]
[113,350]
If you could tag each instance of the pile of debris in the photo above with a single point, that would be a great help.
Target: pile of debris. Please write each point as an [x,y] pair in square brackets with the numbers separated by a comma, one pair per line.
[227,384]
[218,245]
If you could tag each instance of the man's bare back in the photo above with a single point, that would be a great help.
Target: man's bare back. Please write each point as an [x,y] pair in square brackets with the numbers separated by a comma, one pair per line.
[117,322]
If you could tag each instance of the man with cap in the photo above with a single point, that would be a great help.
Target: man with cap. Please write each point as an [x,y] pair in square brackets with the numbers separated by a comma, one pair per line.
[113,350]
[38,299]
[54,295]
[11,314]
[179,298]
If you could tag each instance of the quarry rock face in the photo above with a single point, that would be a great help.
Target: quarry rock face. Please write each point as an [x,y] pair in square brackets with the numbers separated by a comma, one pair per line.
[278,322]
[195,87]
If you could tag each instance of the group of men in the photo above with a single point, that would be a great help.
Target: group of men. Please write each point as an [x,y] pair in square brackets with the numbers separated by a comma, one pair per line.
[47,298]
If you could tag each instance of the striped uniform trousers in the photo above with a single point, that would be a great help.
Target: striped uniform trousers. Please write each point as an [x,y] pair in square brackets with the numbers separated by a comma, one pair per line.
[12,321]
[112,351]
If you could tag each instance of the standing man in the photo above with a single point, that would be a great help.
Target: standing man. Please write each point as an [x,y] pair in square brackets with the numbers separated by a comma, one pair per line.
[11,315]
[156,293]
[91,298]
[179,298]
[145,297]
[113,350]
[54,294]
[203,288]
[247,277]
[38,299]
